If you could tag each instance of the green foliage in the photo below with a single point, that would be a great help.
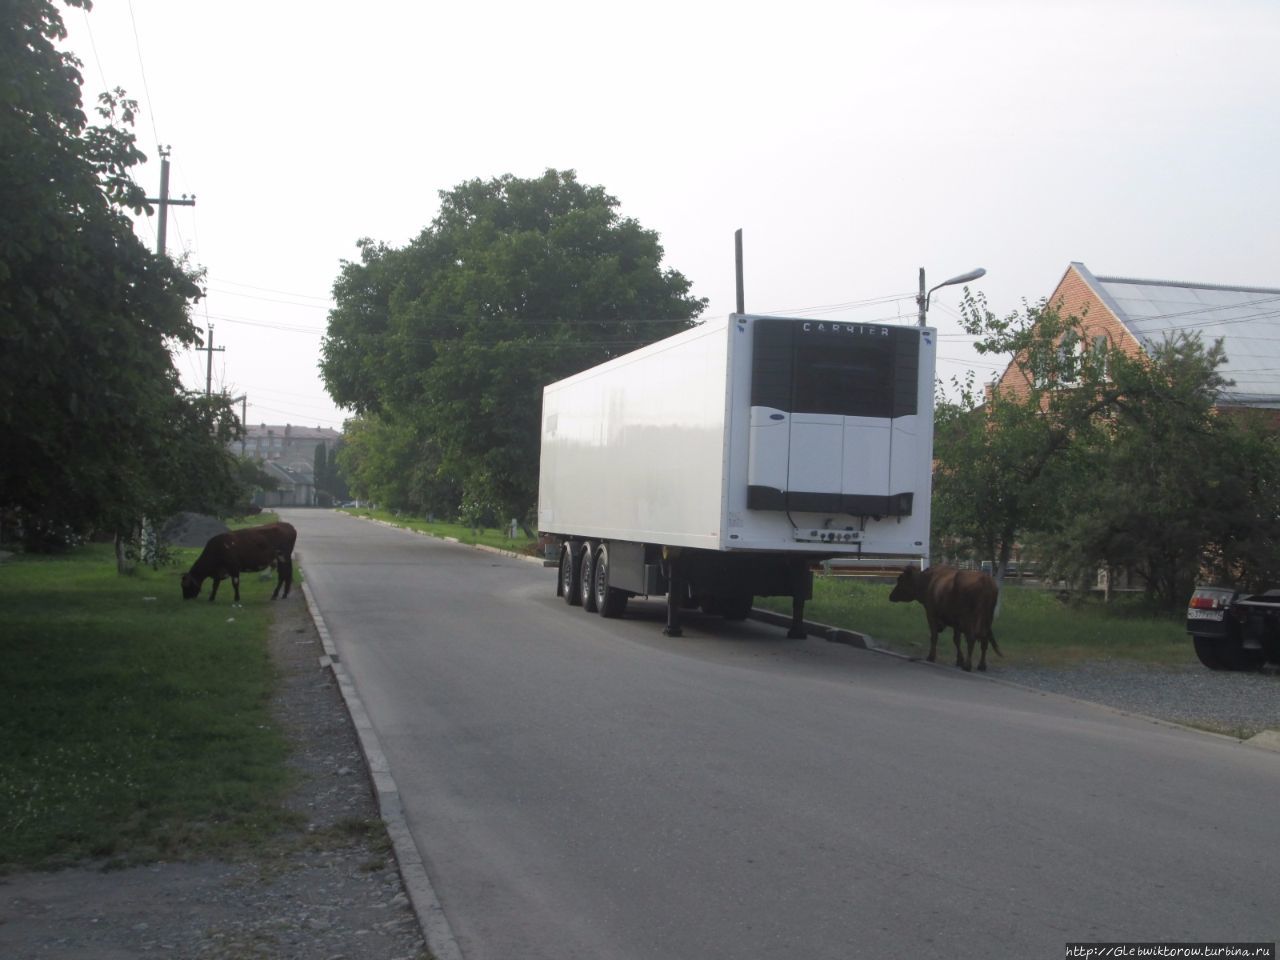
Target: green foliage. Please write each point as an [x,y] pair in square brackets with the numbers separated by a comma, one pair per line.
[135,725]
[95,429]
[394,463]
[446,343]
[1002,461]
[330,483]
[462,532]
[1106,460]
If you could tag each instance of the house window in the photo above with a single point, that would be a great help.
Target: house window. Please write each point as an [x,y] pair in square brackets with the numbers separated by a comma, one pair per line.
[1100,355]
[1070,353]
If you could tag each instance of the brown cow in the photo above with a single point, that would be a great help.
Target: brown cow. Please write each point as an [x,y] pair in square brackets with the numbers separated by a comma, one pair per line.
[253,548]
[964,600]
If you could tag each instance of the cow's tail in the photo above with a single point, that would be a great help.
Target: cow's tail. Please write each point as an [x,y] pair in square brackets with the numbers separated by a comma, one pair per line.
[991,638]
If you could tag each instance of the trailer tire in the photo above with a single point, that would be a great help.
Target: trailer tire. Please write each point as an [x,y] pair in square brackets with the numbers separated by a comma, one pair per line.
[570,581]
[586,577]
[610,601]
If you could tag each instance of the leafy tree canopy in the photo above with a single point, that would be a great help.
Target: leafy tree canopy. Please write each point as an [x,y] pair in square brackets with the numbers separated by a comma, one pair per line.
[1096,458]
[515,284]
[95,429]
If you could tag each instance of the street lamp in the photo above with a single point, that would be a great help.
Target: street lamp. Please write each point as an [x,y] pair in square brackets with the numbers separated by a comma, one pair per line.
[922,299]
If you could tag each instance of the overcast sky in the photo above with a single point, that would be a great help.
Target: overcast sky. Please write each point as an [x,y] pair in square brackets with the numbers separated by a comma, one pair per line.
[852,142]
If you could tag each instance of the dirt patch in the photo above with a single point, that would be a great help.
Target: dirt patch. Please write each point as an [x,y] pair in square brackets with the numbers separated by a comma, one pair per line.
[329,889]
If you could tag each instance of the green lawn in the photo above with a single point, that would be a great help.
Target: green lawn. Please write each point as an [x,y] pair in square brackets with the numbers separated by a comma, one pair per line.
[489,537]
[135,725]
[1033,626]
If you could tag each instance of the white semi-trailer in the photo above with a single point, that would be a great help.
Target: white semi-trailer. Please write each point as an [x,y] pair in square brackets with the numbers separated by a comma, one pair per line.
[721,463]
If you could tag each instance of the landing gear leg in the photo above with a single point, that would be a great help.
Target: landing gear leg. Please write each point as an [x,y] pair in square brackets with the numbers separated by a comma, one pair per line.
[676,591]
[797,631]
[801,590]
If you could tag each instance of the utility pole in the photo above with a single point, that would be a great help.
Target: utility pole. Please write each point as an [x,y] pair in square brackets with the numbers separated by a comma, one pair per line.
[210,349]
[244,427]
[737,251]
[164,201]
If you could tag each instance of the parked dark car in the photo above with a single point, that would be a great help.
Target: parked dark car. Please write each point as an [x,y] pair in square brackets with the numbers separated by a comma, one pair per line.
[1232,630]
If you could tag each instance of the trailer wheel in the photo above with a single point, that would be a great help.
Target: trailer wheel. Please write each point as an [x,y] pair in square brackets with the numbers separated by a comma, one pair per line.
[586,578]
[570,576]
[610,601]
[1207,652]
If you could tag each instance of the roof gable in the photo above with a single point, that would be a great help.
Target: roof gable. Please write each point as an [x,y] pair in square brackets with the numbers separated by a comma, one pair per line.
[1247,319]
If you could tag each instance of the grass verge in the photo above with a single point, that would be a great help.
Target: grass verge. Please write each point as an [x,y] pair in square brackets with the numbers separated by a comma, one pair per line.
[453,531]
[136,726]
[1034,626]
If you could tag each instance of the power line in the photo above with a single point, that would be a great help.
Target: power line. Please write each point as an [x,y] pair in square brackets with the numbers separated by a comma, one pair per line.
[286,293]
[93,45]
[151,109]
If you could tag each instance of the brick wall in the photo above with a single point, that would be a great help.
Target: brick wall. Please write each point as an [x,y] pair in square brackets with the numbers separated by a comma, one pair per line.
[1074,297]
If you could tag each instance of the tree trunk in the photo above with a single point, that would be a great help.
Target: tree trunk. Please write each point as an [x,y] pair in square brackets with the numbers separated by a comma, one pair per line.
[124,565]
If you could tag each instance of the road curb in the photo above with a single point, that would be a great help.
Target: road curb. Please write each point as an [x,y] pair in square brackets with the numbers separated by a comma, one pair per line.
[850,638]
[413,872]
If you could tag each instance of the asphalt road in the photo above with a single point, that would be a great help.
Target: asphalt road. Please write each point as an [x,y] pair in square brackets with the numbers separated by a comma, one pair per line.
[588,788]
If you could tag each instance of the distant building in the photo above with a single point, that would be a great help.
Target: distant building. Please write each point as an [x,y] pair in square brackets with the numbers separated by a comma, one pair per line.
[1137,316]
[288,455]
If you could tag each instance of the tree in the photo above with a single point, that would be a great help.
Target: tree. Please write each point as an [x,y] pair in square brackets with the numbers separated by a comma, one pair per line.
[95,429]
[515,284]
[321,473]
[1003,460]
[1176,489]
[393,464]
[1102,459]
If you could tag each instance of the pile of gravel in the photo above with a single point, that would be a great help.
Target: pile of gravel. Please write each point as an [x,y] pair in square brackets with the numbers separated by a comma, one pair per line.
[190,529]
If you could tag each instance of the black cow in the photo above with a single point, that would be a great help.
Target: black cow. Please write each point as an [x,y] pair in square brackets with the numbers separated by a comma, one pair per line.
[250,549]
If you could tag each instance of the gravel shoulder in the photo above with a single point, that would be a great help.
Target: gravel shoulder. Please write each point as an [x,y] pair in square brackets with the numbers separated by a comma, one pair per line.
[1238,705]
[329,891]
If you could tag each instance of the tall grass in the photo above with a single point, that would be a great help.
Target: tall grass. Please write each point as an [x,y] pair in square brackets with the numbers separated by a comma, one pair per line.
[135,725]
[1034,626]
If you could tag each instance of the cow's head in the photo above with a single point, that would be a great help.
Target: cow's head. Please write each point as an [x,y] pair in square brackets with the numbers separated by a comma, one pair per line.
[190,587]
[904,591]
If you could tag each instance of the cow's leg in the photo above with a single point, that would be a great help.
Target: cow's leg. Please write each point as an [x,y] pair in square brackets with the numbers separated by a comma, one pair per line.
[956,639]
[982,662]
[213,591]
[280,576]
[235,585]
[288,576]
[968,659]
